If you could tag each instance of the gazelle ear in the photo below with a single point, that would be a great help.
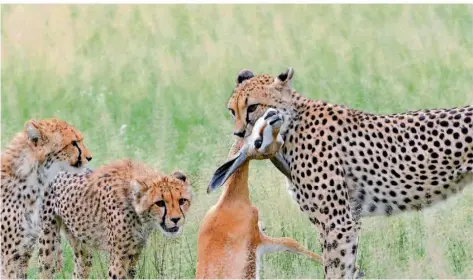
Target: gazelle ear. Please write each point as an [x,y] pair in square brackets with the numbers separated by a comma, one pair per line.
[286,77]
[32,131]
[226,170]
[243,75]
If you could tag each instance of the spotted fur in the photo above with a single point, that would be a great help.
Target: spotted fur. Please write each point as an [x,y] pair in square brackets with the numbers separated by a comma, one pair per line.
[29,163]
[346,164]
[114,209]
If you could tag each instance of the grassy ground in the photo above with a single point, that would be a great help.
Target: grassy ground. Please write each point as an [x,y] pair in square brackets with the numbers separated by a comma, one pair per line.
[152,82]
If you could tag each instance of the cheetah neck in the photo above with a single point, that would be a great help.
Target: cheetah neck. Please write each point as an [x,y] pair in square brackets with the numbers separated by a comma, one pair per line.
[294,110]
[294,113]
[300,103]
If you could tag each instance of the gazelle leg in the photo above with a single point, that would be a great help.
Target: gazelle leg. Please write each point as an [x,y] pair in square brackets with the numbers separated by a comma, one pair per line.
[272,244]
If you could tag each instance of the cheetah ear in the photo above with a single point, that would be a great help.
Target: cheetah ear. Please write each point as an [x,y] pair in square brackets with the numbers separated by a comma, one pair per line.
[137,194]
[179,175]
[243,75]
[286,77]
[187,182]
[32,131]
[136,188]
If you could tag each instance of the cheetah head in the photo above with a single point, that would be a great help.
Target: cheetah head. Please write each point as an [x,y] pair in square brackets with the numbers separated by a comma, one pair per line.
[264,142]
[162,202]
[57,145]
[253,95]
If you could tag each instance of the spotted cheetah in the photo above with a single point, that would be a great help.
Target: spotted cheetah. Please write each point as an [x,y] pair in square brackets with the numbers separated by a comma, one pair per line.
[114,209]
[29,163]
[343,164]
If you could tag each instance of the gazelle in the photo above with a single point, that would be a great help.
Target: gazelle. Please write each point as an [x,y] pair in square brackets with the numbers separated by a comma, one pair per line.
[231,240]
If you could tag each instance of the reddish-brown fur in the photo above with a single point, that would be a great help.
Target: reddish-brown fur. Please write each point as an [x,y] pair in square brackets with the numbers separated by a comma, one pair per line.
[229,234]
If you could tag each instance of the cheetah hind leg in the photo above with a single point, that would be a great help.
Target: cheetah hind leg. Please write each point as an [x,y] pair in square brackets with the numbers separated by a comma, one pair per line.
[82,258]
[23,273]
[83,263]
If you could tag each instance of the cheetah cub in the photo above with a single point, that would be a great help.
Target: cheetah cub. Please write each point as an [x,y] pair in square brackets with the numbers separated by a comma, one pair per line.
[29,163]
[114,208]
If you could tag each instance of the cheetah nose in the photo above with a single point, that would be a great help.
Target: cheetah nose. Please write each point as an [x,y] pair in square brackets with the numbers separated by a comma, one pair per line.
[88,158]
[175,220]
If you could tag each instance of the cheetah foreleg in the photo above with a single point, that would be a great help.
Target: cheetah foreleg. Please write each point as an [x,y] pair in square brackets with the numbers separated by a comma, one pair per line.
[340,249]
[49,241]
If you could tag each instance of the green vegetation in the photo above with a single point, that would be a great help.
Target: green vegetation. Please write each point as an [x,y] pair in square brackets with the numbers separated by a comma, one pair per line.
[151,82]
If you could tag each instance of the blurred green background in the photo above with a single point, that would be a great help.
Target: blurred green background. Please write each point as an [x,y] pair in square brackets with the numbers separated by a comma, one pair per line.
[151,82]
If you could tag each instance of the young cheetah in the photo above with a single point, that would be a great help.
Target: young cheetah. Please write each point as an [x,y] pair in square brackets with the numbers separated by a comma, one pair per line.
[29,163]
[114,209]
[344,164]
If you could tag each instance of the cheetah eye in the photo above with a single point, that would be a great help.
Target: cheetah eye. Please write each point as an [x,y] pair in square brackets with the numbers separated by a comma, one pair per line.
[74,143]
[182,201]
[252,108]
[160,203]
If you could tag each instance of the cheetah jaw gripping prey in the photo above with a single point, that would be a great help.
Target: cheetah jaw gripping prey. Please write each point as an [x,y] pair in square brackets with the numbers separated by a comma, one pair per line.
[231,240]
[344,164]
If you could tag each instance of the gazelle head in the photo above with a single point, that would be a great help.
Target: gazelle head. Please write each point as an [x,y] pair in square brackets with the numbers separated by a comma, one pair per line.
[264,142]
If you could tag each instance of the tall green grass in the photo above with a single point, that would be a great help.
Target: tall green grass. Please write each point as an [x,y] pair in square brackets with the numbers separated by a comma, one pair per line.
[151,82]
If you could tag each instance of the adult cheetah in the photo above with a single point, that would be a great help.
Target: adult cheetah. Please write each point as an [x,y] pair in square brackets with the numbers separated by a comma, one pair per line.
[29,163]
[114,209]
[343,164]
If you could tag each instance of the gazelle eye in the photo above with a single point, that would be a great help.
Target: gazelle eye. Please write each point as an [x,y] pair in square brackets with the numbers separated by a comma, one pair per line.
[258,143]
[160,203]
[182,201]
[252,108]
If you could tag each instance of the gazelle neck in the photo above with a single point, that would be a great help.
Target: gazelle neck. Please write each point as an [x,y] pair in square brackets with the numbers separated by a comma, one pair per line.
[236,187]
